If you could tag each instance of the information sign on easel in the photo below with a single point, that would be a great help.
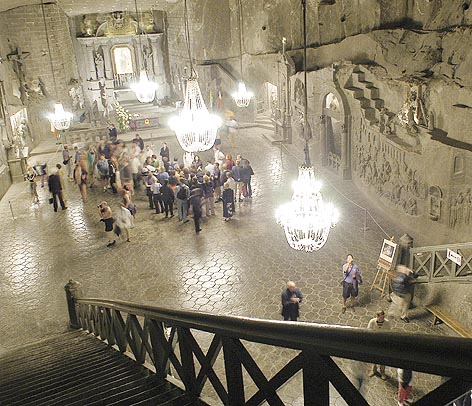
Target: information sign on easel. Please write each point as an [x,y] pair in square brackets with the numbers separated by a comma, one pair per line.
[387,261]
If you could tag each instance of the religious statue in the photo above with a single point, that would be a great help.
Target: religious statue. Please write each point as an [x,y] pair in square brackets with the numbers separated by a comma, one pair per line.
[77,96]
[118,23]
[99,65]
[148,22]
[89,25]
[148,58]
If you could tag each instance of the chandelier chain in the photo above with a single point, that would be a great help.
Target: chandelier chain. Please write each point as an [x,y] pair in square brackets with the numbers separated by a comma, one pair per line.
[187,39]
[49,48]
[138,31]
[240,18]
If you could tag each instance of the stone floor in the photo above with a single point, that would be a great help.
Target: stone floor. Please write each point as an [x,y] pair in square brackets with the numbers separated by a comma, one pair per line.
[238,268]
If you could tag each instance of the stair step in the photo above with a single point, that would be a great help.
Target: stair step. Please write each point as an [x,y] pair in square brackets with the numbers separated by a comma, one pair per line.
[58,384]
[159,396]
[99,389]
[55,368]
[358,92]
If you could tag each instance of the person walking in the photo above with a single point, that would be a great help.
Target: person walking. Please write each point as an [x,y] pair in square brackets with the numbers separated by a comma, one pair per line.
[196,203]
[31,178]
[124,221]
[168,199]
[41,170]
[402,287]
[106,216]
[291,299]
[55,187]
[246,174]
[80,176]
[378,323]
[103,169]
[351,279]
[404,388]
[208,191]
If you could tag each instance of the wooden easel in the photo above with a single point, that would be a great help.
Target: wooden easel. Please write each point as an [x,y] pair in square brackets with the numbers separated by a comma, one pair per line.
[380,280]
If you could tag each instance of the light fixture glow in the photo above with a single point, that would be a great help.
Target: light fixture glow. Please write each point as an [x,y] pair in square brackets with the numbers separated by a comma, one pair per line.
[60,119]
[306,219]
[195,127]
[242,97]
[144,89]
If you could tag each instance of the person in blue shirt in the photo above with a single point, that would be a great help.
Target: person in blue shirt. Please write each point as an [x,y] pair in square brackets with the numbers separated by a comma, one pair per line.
[351,280]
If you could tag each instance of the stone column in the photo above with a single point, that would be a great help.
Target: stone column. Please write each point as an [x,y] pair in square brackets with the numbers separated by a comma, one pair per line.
[406,242]
[323,142]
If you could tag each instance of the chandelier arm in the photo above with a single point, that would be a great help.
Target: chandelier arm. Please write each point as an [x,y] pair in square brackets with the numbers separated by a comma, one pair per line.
[49,48]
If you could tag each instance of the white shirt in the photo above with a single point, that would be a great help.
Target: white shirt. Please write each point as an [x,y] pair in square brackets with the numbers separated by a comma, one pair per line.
[210,168]
[134,164]
[373,325]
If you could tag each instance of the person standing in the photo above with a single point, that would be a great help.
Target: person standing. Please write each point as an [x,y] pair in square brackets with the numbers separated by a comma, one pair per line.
[404,388]
[106,216]
[81,175]
[165,152]
[246,174]
[55,187]
[157,196]
[291,299]
[182,193]
[168,198]
[351,280]
[31,178]
[124,221]
[112,133]
[228,202]
[66,161]
[402,286]
[41,170]
[378,323]
[196,203]
[139,142]
[208,191]
[103,169]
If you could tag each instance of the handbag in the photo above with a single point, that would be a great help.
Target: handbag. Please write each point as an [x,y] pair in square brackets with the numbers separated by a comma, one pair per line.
[65,162]
[51,200]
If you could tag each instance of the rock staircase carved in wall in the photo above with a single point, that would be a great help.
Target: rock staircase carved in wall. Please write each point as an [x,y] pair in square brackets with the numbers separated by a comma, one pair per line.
[373,108]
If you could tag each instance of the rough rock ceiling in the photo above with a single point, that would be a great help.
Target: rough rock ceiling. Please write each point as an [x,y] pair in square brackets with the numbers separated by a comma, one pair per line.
[75,7]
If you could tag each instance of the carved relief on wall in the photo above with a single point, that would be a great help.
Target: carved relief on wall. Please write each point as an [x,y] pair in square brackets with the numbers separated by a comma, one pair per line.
[21,133]
[459,209]
[382,165]
[413,111]
[116,23]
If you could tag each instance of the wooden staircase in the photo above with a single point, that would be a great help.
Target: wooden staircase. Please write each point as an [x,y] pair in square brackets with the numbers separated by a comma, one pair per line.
[76,369]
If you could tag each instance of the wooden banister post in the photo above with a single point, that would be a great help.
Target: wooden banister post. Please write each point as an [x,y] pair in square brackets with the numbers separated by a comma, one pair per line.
[73,291]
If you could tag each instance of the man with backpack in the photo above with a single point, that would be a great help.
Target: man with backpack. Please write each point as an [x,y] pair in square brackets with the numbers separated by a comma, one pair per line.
[402,286]
[182,195]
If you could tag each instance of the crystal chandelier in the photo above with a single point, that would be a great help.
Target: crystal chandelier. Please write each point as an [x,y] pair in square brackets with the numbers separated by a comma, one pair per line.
[144,89]
[242,97]
[194,127]
[60,119]
[307,219]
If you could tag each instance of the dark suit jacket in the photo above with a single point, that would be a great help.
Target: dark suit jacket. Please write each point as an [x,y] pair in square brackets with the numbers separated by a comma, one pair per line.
[54,183]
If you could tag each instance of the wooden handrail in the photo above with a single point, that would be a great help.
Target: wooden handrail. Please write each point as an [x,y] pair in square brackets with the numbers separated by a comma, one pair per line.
[439,355]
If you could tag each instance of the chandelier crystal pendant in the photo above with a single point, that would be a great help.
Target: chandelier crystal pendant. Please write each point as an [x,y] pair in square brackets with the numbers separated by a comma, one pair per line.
[60,119]
[144,89]
[195,127]
[242,97]
[307,219]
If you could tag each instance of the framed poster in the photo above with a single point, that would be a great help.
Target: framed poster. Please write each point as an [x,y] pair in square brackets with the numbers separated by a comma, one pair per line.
[388,254]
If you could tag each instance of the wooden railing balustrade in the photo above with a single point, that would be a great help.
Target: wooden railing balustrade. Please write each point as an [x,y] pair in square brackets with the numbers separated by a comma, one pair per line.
[145,331]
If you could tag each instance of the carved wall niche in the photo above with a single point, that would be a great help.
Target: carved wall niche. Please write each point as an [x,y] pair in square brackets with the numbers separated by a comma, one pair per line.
[435,202]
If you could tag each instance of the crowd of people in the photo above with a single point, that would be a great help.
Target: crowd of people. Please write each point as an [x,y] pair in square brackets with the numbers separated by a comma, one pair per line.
[192,187]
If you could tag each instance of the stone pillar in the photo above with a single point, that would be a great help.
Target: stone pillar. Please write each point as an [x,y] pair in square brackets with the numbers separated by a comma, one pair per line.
[73,291]
[406,242]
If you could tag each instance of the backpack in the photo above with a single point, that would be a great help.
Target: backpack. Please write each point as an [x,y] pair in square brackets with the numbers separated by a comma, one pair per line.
[182,193]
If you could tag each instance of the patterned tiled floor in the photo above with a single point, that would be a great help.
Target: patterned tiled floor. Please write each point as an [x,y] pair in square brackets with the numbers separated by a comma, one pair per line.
[237,268]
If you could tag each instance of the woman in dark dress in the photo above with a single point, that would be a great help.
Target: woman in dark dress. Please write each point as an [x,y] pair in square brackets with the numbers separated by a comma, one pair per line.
[228,201]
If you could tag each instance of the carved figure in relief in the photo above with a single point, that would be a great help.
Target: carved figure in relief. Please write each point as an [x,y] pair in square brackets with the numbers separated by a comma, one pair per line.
[467,207]
[148,22]
[453,214]
[148,58]
[411,207]
[435,197]
[89,25]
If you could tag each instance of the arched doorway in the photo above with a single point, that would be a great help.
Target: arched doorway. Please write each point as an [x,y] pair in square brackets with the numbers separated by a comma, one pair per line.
[335,154]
